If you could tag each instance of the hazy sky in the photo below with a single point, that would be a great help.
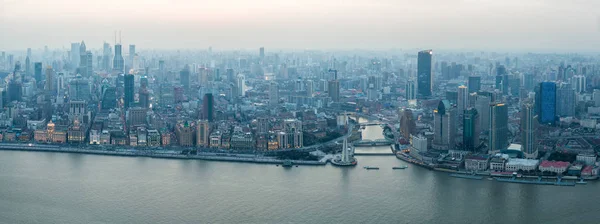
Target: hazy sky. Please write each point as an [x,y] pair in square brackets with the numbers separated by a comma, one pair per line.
[564,25]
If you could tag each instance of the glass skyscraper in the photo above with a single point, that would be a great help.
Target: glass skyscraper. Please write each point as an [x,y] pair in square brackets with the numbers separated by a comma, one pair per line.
[546,102]
[424,77]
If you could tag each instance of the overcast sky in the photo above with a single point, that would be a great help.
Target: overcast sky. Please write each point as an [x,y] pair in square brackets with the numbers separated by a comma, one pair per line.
[562,25]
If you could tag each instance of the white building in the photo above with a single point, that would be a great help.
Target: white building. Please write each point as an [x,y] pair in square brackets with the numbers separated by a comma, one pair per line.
[476,162]
[497,162]
[588,159]
[515,164]
[95,137]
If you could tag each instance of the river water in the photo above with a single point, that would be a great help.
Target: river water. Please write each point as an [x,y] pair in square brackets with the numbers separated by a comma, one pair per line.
[38,187]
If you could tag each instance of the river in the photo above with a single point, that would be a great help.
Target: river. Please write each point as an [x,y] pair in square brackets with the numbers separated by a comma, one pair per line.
[39,187]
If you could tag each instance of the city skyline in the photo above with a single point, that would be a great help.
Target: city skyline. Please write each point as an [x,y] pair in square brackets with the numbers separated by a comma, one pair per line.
[477,25]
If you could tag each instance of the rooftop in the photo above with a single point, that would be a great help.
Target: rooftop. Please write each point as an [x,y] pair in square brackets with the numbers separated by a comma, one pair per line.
[522,162]
[556,164]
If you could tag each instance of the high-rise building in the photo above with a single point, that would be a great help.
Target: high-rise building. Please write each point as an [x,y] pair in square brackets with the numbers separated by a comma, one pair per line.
[129,90]
[528,123]
[109,98]
[333,88]
[241,85]
[106,52]
[49,77]
[208,107]
[565,100]
[528,82]
[579,83]
[75,54]
[262,52]
[310,88]
[462,100]
[482,105]
[498,138]
[471,129]
[424,74]
[38,72]
[27,66]
[444,126]
[273,93]
[131,54]
[203,133]
[118,62]
[184,78]
[144,97]
[136,116]
[596,97]
[293,134]
[474,84]
[85,62]
[546,102]
[411,90]
[408,126]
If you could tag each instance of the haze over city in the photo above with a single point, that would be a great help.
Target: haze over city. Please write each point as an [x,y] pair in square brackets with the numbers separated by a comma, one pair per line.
[512,25]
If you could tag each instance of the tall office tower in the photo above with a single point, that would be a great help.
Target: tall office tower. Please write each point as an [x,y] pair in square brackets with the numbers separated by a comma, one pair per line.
[118,62]
[565,100]
[184,78]
[482,105]
[86,69]
[463,99]
[49,78]
[444,126]
[144,97]
[273,94]
[262,52]
[262,125]
[411,90]
[202,133]
[471,129]
[109,98]
[474,84]
[545,102]
[333,89]
[408,125]
[37,72]
[131,54]
[596,97]
[15,90]
[241,85]
[75,55]
[310,88]
[424,74]
[498,139]
[208,107]
[578,83]
[106,51]
[230,75]
[129,91]
[528,82]
[27,66]
[498,83]
[528,123]
[82,56]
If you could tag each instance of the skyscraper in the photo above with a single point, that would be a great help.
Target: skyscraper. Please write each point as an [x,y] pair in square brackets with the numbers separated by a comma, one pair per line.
[184,78]
[106,51]
[408,126]
[49,77]
[118,62]
[109,98]
[498,139]
[38,72]
[474,84]
[129,91]
[74,55]
[411,90]
[208,107]
[273,93]
[463,99]
[333,89]
[565,100]
[424,74]
[27,66]
[444,126]
[262,52]
[471,129]
[578,83]
[482,105]
[546,102]
[202,133]
[131,54]
[528,131]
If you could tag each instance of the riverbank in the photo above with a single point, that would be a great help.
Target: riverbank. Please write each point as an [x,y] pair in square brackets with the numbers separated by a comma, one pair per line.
[160,155]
